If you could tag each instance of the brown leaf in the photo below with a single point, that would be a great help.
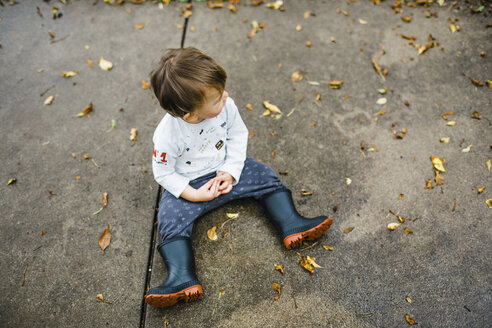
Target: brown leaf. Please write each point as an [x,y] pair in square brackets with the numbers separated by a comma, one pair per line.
[408,231]
[89,62]
[348,230]
[474,81]
[279,267]
[145,84]
[86,110]
[212,233]
[296,76]
[232,8]
[139,26]
[438,178]
[400,196]
[410,320]
[309,44]
[276,287]
[105,199]
[407,19]
[249,107]
[376,66]
[408,37]
[476,114]
[105,238]
[69,74]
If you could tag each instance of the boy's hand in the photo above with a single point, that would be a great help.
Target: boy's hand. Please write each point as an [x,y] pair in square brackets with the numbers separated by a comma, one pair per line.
[208,191]
[226,180]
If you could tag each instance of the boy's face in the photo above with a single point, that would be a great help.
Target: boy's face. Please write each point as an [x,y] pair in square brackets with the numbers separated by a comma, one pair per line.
[214,102]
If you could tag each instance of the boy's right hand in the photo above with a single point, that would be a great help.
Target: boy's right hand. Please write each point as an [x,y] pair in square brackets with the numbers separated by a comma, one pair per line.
[208,191]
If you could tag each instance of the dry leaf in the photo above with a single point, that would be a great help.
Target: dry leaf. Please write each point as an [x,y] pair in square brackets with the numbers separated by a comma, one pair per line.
[12,181]
[444,140]
[488,164]
[275,5]
[215,4]
[408,231]
[451,123]
[438,163]
[145,84]
[271,107]
[335,84]
[381,112]
[407,19]
[49,100]
[308,262]
[232,215]
[467,149]
[105,199]
[348,181]
[438,178]
[348,230]
[408,299]
[318,96]
[89,62]
[400,196]
[296,76]
[489,202]
[309,44]
[428,184]
[249,107]
[393,226]
[77,177]
[212,233]
[221,292]
[445,115]
[481,189]
[279,267]
[477,115]
[489,83]
[69,74]
[139,26]
[298,28]
[276,287]
[105,238]
[410,320]
[328,248]
[104,64]
[86,110]
[133,134]
[307,14]
[363,22]
[381,101]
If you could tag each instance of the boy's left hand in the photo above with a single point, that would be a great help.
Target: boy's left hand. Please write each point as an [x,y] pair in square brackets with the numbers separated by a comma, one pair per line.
[225,182]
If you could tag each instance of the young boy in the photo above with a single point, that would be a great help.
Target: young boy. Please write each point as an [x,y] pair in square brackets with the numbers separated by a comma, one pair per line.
[200,160]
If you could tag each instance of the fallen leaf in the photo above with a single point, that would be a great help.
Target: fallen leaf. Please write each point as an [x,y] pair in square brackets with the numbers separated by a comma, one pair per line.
[467,149]
[12,181]
[481,189]
[438,178]
[215,4]
[77,177]
[89,62]
[87,109]
[145,84]
[139,26]
[133,134]
[104,64]
[69,73]
[279,267]
[438,163]
[309,44]
[328,248]
[393,226]
[489,202]
[348,230]
[381,101]
[85,156]
[99,296]
[477,115]
[276,287]
[381,112]
[49,100]
[105,238]
[382,91]
[187,13]
[489,83]
[298,28]
[249,107]
[105,199]
[488,164]
[408,299]
[407,19]
[348,181]
[212,233]
[307,262]
[400,196]
[74,155]
[296,76]
[410,320]
[363,22]
[307,14]
[271,107]
[444,140]
[221,292]
[232,215]
[451,123]
[335,84]
[275,5]
[318,96]
[408,232]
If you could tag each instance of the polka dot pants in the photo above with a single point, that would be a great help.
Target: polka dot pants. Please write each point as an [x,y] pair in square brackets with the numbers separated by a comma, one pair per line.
[176,215]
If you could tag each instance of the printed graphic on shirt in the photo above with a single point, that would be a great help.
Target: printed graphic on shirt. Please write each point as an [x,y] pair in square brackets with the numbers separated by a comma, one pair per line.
[219,144]
[159,158]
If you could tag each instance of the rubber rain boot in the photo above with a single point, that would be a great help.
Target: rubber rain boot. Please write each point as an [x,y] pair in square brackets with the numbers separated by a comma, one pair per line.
[293,227]
[182,283]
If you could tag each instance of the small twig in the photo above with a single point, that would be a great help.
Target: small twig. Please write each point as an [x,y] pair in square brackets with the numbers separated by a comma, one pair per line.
[293,297]
[24,274]
[47,89]
[104,301]
[222,225]
[66,36]
[308,247]
[454,205]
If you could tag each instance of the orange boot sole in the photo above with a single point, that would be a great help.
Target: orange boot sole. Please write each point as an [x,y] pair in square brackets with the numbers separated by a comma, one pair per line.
[189,294]
[295,240]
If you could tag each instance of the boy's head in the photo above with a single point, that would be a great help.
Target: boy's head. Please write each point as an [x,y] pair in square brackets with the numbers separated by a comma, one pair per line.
[183,78]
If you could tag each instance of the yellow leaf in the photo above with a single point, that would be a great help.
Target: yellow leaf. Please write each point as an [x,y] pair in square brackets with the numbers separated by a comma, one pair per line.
[335,84]
[444,140]
[452,27]
[276,287]
[363,22]
[266,113]
[249,107]
[488,164]
[381,101]
[307,14]
[49,100]
[489,83]
[145,84]
[275,5]
[11,181]
[104,64]
[410,320]
[328,248]
[438,163]
[489,202]
[408,231]
[381,112]
[304,262]
[348,230]
[298,28]
[428,184]
[231,7]
[86,110]
[480,190]
[312,261]
[271,107]
[408,299]
[439,179]
[393,226]
[133,134]
[467,149]
[296,76]
[89,62]
[279,267]
[212,233]
[69,73]
[232,215]
[139,26]
[105,238]
[105,199]
[451,123]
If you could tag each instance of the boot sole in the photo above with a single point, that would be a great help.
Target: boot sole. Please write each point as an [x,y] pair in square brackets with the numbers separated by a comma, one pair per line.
[189,294]
[295,240]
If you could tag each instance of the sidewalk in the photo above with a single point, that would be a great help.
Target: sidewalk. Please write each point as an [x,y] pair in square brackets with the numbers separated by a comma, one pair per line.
[439,274]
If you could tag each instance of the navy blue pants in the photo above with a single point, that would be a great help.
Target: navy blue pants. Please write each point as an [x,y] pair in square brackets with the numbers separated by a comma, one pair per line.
[176,215]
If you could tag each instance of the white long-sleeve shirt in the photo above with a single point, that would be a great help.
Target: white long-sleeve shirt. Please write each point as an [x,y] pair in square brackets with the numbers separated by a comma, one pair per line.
[185,151]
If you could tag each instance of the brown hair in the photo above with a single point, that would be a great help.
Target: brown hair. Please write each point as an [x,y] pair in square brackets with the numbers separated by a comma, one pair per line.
[182,77]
